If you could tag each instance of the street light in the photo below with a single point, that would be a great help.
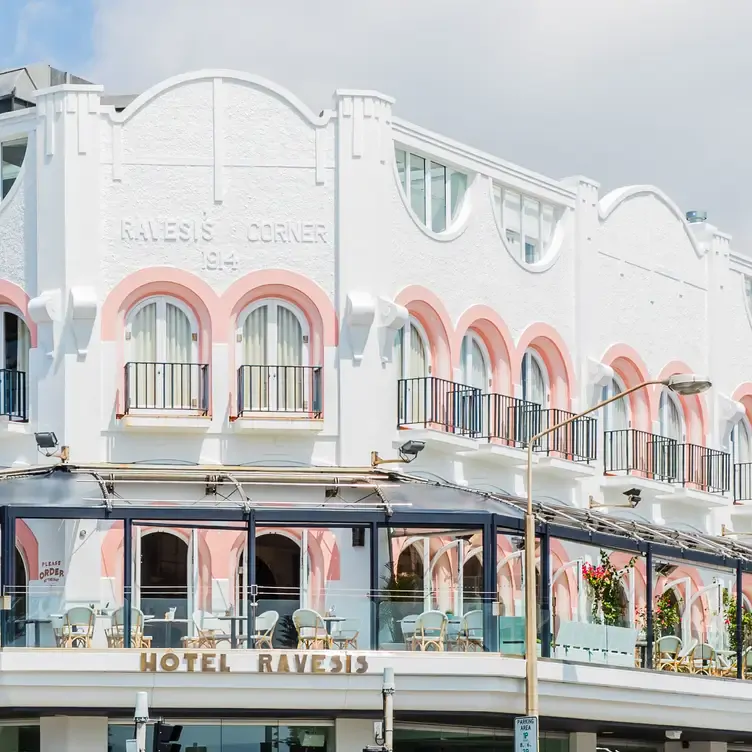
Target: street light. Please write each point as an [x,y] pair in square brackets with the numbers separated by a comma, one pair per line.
[684,384]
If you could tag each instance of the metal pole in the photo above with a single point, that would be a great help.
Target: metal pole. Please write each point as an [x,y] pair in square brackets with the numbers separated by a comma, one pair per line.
[388,693]
[141,717]
[649,621]
[739,626]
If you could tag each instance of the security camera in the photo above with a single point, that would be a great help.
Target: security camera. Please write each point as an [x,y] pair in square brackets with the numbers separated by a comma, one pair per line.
[673,734]
[633,495]
[411,449]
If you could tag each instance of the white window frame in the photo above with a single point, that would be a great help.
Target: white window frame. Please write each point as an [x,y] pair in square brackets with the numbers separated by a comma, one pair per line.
[663,417]
[449,217]
[734,443]
[3,143]
[546,377]
[467,359]
[271,330]
[3,310]
[499,191]
[161,320]
[406,334]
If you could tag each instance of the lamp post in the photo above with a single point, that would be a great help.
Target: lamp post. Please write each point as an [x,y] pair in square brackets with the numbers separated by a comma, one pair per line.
[682,384]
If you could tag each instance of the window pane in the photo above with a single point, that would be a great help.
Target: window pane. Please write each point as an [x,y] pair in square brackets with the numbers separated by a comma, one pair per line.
[289,338]
[497,201]
[418,186]
[144,334]
[547,225]
[513,241]
[179,339]
[458,186]
[12,158]
[511,219]
[438,197]
[402,168]
[254,337]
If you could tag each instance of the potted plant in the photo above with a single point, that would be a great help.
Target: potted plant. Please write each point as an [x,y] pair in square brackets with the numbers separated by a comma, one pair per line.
[730,606]
[666,616]
[399,594]
[605,585]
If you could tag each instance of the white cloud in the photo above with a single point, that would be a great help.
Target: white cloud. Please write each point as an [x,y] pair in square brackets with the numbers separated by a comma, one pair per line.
[624,91]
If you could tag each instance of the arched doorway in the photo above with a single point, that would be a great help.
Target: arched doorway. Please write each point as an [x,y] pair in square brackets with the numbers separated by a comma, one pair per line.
[163,580]
[278,579]
[20,600]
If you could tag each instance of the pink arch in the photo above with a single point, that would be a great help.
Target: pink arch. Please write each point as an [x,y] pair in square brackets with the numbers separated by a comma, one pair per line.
[27,542]
[548,343]
[490,327]
[13,295]
[430,312]
[743,394]
[693,408]
[631,369]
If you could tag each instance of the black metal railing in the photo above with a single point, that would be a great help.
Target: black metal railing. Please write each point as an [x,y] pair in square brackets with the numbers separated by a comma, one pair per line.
[508,420]
[284,389]
[703,468]
[640,453]
[13,394]
[577,441]
[436,403]
[743,481]
[167,386]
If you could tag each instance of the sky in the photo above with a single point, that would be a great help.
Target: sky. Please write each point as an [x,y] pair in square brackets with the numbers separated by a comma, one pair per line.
[622,91]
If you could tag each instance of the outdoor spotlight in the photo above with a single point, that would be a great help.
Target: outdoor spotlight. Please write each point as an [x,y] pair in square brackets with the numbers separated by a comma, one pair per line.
[411,449]
[633,495]
[673,734]
[46,440]
[687,384]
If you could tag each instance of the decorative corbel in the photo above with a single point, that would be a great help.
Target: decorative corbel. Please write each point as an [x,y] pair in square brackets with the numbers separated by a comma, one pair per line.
[360,311]
[729,411]
[392,318]
[598,374]
[45,310]
[83,311]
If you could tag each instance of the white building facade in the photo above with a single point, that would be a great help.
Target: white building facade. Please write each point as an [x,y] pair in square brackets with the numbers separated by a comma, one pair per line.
[214,276]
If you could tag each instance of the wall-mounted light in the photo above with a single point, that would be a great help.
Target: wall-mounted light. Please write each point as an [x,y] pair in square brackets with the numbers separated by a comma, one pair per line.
[407,453]
[47,443]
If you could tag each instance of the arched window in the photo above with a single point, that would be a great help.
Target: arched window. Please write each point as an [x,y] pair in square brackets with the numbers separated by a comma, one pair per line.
[671,423]
[413,353]
[534,380]
[474,362]
[408,576]
[741,444]
[273,352]
[162,352]
[615,415]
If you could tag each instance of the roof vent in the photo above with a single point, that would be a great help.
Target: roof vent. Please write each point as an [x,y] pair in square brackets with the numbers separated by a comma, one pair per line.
[696,216]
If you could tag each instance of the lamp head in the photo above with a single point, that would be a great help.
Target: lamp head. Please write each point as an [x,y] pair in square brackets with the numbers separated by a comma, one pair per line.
[687,384]
[46,440]
[411,449]
[141,714]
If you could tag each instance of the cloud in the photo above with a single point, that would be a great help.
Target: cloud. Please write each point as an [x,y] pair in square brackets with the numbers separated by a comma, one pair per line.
[624,92]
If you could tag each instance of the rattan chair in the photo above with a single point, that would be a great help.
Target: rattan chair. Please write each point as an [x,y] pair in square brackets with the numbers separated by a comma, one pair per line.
[78,627]
[471,632]
[430,631]
[115,633]
[667,651]
[264,628]
[311,630]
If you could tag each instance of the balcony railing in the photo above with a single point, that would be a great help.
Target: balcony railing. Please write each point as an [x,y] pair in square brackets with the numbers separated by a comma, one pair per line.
[743,481]
[703,468]
[436,403]
[508,420]
[577,441]
[181,387]
[13,394]
[640,453]
[283,389]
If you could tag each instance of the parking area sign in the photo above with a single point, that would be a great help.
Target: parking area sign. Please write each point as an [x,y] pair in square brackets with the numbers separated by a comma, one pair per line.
[526,734]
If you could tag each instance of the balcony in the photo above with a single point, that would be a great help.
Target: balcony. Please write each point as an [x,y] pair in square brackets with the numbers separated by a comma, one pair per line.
[576,442]
[743,481]
[279,397]
[442,408]
[156,393]
[633,458]
[703,469]
[505,425]
[13,395]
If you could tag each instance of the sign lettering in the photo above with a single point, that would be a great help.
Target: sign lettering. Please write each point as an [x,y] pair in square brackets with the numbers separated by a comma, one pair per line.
[167,229]
[526,734]
[51,571]
[286,231]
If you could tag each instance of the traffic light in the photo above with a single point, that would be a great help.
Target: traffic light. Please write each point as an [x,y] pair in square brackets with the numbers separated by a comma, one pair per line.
[166,737]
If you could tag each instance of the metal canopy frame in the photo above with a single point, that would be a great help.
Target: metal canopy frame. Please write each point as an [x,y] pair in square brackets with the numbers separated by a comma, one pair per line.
[354,497]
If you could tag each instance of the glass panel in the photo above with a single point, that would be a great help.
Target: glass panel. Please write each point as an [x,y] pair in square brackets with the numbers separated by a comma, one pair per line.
[690,613]
[457,187]
[438,197]
[512,219]
[510,593]
[432,739]
[498,201]
[598,605]
[479,372]
[418,366]
[255,349]
[418,186]
[531,229]
[19,739]
[548,222]
[533,380]
[401,167]
[670,419]
[425,602]
[179,390]
[11,158]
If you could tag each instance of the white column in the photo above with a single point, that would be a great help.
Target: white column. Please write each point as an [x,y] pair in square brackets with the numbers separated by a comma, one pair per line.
[73,734]
[352,734]
[581,741]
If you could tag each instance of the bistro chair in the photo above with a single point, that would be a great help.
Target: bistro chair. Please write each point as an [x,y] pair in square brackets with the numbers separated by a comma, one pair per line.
[311,630]
[346,635]
[115,633]
[407,625]
[668,650]
[471,632]
[703,660]
[264,628]
[430,631]
[209,631]
[78,627]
